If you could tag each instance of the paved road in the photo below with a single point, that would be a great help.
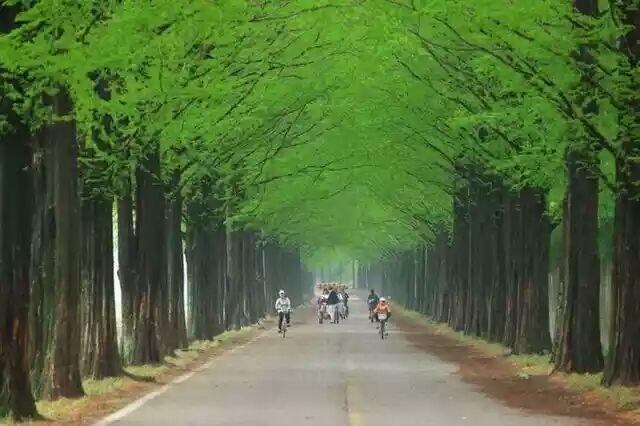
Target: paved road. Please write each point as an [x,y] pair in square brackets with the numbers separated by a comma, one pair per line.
[329,375]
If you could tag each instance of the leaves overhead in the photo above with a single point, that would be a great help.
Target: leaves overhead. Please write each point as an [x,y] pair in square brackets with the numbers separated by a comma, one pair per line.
[341,127]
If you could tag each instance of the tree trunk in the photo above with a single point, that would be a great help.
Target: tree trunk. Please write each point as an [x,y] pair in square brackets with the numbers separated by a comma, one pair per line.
[514,250]
[623,364]
[533,297]
[494,259]
[100,357]
[460,256]
[41,272]
[233,284]
[175,272]
[148,306]
[16,206]
[205,265]
[127,249]
[578,347]
[578,335]
[65,362]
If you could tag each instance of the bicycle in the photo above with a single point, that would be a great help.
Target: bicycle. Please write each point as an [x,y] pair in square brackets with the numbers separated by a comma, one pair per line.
[336,314]
[284,327]
[382,317]
[322,312]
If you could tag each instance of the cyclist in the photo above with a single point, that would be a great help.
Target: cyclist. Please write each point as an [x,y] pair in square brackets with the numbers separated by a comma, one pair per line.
[332,302]
[372,301]
[283,307]
[345,300]
[322,304]
[382,308]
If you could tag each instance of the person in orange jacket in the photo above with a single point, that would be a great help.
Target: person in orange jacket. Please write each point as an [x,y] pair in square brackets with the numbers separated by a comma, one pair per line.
[382,308]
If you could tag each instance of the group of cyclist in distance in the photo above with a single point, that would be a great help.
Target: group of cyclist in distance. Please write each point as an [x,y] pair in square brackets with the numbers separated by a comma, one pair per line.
[333,302]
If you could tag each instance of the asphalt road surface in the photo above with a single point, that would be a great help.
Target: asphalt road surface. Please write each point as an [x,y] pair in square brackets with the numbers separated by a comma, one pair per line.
[326,375]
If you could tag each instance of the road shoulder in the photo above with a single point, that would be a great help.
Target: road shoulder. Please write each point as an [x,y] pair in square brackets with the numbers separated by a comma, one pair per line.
[515,385]
[109,396]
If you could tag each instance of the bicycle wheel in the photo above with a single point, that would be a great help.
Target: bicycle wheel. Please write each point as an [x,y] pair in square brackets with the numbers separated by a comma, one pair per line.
[382,327]
[284,328]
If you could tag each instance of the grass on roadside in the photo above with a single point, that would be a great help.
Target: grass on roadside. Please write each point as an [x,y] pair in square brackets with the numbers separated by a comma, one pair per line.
[627,398]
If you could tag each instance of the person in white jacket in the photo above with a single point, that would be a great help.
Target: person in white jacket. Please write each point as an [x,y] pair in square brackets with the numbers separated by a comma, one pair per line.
[283,307]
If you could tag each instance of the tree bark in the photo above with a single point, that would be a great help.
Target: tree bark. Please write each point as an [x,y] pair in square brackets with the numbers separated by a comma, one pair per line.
[177,335]
[127,249]
[460,256]
[532,334]
[206,270]
[578,347]
[148,306]
[65,363]
[513,248]
[623,364]
[41,272]
[100,357]
[16,204]
[494,257]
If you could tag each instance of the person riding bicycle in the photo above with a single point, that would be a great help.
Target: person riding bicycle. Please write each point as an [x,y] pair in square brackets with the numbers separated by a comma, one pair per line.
[333,299]
[323,297]
[332,302]
[382,308]
[283,307]
[345,297]
[322,303]
[372,301]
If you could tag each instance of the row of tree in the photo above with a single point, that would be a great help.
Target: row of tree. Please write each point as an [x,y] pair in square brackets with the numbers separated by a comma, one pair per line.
[58,305]
[91,144]
[551,142]
[473,131]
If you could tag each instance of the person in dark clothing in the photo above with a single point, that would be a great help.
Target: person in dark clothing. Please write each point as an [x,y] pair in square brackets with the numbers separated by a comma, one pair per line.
[332,302]
[372,302]
[333,297]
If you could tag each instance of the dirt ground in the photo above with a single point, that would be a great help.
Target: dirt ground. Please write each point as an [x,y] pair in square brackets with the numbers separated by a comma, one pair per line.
[498,378]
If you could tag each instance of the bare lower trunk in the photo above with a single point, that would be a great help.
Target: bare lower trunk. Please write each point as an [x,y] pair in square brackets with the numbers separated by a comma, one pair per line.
[42,303]
[16,204]
[206,279]
[177,334]
[127,249]
[65,362]
[532,335]
[148,307]
[623,365]
[100,356]
[578,347]
[512,237]
[460,260]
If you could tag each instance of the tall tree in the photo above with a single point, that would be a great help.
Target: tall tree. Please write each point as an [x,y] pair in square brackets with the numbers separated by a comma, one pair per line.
[623,365]
[578,348]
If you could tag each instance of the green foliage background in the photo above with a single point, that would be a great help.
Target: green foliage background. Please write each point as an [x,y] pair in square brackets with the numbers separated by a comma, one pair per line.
[342,127]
